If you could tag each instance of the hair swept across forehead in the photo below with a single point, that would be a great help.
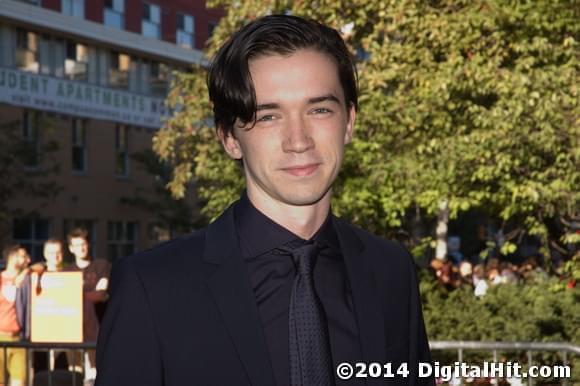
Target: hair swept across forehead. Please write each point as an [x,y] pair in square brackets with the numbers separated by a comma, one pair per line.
[229,81]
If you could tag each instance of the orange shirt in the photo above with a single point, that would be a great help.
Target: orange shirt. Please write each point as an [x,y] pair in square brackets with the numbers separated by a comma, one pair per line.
[8,318]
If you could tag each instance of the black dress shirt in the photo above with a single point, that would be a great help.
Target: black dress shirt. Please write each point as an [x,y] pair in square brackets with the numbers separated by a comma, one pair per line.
[272,275]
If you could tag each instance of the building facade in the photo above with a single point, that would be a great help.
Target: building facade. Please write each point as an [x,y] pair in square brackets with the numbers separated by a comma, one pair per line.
[83,84]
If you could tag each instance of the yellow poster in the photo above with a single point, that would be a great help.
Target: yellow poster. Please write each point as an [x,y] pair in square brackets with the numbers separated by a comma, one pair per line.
[57,307]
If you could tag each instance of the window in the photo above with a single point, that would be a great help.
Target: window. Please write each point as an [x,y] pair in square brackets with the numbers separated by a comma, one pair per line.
[119,66]
[74,8]
[89,225]
[26,50]
[115,13]
[151,23]
[121,239]
[185,31]
[30,152]
[158,232]
[122,150]
[76,62]
[158,79]
[31,234]
[79,149]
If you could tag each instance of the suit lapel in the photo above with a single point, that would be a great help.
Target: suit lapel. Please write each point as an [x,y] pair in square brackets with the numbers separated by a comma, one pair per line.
[231,290]
[368,309]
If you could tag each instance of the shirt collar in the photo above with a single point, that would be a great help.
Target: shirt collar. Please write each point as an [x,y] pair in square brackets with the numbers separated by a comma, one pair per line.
[259,234]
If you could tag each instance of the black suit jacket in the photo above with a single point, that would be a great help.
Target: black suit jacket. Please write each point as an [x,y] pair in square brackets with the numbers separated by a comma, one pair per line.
[184,312]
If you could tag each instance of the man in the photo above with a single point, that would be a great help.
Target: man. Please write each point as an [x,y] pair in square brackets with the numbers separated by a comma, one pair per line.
[276,291]
[11,281]
[95,283]
[53,255]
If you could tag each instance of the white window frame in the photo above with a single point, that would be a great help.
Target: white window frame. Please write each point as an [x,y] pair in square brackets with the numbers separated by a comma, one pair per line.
[185,31]
[151,23]
[115,16]
[27,44]
[75,8]
[71,65]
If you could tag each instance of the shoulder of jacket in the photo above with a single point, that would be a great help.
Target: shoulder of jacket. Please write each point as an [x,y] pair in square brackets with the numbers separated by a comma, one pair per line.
[381,249]
[372,240]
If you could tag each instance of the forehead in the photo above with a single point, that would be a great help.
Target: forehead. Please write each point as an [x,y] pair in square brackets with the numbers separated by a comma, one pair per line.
[302,74]
[17,254]
[78,240]
[53,247]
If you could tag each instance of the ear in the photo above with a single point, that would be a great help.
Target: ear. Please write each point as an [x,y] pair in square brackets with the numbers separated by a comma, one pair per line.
[230,143]
[350,124]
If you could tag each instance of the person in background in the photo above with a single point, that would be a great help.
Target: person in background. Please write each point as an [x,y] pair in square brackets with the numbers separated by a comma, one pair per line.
[466,273]
[95,284]
[12,280]
[479,280]
[53,255]
[507,272]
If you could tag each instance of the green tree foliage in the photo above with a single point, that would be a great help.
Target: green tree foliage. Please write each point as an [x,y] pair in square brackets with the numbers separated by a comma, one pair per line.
[472,103]
[530,312]
[543,311]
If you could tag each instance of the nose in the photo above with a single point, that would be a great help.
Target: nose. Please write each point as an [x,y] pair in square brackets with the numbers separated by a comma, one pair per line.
[297,138]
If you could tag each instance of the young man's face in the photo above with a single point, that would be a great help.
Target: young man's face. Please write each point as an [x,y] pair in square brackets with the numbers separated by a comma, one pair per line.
[19,260]
[53,253]
[294,152]
[79,247]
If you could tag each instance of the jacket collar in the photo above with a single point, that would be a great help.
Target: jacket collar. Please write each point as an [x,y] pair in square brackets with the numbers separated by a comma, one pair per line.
[230,287]
[368,308]
[221,238]
[231,290]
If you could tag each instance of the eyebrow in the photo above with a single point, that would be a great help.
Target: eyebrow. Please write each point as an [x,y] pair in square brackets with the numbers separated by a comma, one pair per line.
[323,98]
[268,106]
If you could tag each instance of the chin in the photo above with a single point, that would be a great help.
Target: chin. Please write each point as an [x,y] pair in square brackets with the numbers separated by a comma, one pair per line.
[304,198]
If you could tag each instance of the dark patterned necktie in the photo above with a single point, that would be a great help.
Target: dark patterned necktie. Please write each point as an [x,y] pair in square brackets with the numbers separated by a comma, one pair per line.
[310,359]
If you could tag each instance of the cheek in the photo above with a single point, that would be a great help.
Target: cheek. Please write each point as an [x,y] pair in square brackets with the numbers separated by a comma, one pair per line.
[259,148]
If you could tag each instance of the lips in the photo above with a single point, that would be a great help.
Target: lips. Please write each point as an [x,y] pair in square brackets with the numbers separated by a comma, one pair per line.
[301,170]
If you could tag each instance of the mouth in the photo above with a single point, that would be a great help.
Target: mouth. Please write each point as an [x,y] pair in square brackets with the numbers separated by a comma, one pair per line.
[301,170]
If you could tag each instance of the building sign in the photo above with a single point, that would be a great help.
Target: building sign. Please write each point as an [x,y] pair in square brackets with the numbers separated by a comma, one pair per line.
[85,100]
[56,307]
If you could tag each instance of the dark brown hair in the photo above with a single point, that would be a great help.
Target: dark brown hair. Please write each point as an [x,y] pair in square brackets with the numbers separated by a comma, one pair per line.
[229,82]
[77,232]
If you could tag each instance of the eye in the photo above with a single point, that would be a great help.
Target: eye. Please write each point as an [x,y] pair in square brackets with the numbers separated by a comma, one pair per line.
[321,110]
[266,118]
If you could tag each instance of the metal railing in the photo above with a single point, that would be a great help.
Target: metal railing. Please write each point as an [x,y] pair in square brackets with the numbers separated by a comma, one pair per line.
[563,349]
[76,378]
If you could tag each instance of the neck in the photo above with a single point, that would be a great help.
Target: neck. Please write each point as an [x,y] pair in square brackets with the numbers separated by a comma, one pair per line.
[302,220]
[82,263]
[52,267]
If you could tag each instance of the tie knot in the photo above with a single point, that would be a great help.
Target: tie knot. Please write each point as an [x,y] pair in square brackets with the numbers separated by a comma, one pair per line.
[305,256]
